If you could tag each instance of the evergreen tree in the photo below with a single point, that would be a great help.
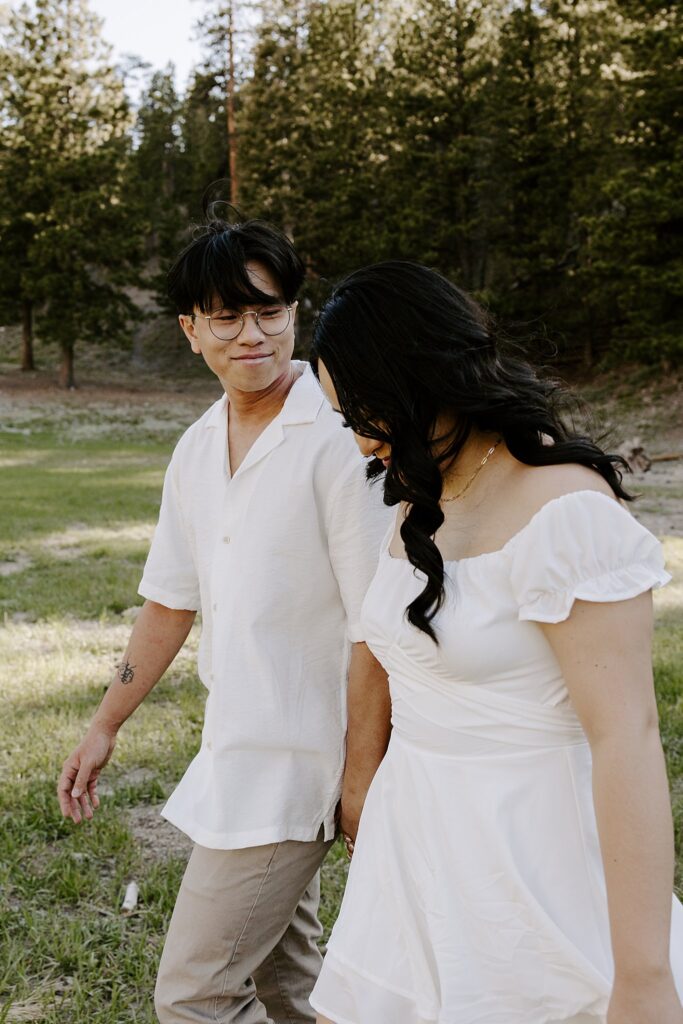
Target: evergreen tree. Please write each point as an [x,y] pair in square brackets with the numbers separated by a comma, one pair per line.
[155,183]
[312,130]
[203,139]
[227,33]
[66,240]
[586,38]
[637,235]
[442,147]
[270,105]
[334,185]
[529,175]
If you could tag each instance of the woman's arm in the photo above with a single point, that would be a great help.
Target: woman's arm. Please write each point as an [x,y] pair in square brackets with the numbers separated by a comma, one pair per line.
[367,735]
[604,651]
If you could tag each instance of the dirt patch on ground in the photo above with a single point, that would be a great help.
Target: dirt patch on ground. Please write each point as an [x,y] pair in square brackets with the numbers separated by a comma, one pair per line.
[19,564]
[660,505]
[134,408]
[637,402]
[92,390]
[156,836]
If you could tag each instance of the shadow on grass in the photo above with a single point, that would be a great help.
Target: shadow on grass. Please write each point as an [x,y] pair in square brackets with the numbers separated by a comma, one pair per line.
[45,489]
[86,585]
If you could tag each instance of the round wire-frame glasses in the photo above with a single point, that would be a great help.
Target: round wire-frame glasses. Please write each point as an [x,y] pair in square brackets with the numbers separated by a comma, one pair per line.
[228,324]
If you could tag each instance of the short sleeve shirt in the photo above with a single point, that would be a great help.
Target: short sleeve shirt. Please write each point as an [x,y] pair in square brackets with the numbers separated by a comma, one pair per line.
[278,559]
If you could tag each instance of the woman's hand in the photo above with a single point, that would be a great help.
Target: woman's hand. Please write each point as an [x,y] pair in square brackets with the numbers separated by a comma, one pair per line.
[367,736]
[645,1001]
[349,816]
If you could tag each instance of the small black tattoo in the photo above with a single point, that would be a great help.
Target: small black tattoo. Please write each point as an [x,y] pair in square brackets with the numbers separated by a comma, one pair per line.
[126,672]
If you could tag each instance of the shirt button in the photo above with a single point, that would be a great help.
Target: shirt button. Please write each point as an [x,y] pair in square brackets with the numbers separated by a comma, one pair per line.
[215,607]
[208,744]
[226,540]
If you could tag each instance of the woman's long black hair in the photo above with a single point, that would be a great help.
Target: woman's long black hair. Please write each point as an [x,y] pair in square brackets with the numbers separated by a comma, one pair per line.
[404,345]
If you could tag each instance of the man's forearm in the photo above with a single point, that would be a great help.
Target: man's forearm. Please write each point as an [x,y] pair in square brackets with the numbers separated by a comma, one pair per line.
[369,726]
[157,636]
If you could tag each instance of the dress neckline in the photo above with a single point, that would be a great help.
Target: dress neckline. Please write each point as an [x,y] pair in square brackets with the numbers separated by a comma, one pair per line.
[501,550]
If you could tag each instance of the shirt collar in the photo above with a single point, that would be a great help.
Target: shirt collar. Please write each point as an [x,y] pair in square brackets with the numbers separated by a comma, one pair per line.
[302,404]
[305,397]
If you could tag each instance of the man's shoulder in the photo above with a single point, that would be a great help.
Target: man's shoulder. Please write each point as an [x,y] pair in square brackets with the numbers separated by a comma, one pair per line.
[198,431]
[333,444]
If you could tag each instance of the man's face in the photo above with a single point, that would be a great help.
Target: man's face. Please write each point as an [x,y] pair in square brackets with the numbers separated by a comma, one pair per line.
[254,360]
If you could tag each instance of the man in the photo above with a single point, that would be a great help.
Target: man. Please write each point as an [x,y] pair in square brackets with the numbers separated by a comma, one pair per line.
[268,527]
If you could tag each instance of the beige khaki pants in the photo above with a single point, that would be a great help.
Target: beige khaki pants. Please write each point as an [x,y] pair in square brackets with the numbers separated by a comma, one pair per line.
[242,943]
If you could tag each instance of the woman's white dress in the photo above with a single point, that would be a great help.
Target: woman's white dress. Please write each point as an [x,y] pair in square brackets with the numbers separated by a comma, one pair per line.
[476,894]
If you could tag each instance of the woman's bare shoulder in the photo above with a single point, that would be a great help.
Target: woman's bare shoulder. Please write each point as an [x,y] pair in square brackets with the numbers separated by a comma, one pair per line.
[548,482]
[535,486]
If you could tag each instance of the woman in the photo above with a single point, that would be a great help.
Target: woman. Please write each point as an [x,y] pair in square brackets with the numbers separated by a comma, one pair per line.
[514,862]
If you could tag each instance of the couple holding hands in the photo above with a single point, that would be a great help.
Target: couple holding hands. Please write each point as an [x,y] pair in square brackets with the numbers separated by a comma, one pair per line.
[451,633]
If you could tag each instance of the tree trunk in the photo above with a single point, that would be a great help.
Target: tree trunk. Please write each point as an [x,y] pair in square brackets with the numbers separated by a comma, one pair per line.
[230,106]
[66,369]
[589,340]
[27,361]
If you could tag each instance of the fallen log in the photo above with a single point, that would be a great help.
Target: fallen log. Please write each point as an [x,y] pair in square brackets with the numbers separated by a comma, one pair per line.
[667,457]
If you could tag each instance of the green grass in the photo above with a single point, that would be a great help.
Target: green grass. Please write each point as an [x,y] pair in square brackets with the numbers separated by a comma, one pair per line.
[80,518]
[75,521]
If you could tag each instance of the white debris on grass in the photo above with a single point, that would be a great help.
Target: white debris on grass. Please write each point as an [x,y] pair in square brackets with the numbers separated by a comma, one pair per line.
[130,900]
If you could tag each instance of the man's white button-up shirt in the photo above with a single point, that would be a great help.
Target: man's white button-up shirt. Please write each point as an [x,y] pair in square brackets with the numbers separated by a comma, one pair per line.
[278,559]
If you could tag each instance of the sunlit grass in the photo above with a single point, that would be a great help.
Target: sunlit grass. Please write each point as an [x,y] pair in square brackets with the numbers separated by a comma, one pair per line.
[76,523]
[62,934]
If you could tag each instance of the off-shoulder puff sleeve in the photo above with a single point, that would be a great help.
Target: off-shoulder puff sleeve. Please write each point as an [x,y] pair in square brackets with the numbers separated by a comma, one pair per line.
[583,545]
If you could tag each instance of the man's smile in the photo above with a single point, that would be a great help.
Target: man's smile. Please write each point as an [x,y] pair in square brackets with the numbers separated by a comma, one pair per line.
[255,357]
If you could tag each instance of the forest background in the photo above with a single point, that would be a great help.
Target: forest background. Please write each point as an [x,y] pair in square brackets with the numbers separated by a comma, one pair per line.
[530,150]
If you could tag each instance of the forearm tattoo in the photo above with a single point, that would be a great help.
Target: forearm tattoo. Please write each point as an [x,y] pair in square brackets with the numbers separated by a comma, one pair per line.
[126,672]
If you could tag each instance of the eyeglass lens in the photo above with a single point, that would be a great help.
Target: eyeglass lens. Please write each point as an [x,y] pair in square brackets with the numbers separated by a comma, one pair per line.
[226,324]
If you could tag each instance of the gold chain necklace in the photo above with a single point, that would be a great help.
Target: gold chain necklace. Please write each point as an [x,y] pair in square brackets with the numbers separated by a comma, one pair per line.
[476,473]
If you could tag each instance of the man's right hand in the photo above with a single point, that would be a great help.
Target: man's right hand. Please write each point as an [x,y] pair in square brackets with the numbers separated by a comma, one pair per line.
[77,787]
[158,634]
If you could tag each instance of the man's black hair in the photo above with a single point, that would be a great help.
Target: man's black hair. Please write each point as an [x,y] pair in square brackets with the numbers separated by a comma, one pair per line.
[210,272]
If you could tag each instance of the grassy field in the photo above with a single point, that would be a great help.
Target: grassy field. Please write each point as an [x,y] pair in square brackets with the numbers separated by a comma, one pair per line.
[79,498]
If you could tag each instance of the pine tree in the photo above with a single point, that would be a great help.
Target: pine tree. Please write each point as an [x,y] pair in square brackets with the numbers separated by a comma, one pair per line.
[638,234]
[312,130]
[443,70]
[227,31]
[529,175]
[270,101]
[155,182]
[66,239]
[203,139]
